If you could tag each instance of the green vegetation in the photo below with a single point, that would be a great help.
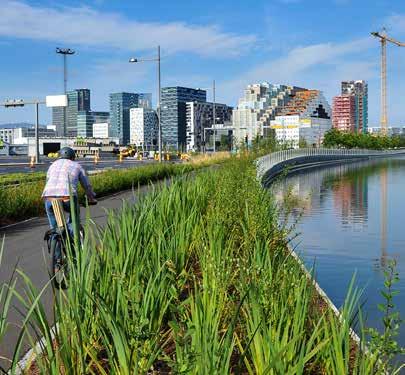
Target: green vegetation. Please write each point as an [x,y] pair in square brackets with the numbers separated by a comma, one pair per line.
[335,138]
[196,278]
[18,178]
[22,201]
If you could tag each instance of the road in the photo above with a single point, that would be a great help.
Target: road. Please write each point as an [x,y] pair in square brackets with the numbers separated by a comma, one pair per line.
[24,246]
[19,164]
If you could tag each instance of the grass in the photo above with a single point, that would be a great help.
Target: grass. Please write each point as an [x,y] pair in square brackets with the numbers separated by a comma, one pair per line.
[196,278]
[24,200]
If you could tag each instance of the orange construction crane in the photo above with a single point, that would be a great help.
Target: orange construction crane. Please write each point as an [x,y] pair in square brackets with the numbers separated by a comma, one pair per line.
[384,38]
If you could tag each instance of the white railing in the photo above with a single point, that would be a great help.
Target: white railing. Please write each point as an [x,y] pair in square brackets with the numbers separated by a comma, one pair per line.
[267,162]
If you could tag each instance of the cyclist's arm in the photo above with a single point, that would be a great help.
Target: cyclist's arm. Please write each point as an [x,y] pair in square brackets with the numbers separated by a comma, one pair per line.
[85,182]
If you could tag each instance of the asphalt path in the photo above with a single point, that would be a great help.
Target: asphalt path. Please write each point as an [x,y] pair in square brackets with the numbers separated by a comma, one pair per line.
[21,164]
[25,248]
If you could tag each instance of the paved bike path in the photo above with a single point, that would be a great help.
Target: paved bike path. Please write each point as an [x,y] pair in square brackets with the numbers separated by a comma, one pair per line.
[24,246]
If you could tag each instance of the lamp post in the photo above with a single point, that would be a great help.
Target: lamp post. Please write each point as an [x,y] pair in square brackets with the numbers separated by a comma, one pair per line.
[135,60]
[64,52]
[22,103]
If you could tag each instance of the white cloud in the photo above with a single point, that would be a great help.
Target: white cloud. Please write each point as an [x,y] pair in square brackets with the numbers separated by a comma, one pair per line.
[89,27]
[314,59]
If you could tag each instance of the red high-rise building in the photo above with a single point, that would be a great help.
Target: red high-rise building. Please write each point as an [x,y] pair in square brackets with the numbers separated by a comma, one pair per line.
[344,113]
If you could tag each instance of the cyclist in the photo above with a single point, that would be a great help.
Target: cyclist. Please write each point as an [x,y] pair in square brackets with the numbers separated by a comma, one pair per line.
[62,181]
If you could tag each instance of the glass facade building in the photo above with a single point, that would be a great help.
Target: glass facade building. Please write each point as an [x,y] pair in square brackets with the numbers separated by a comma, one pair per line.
[86,119]
[120,104]
[173,113]
[78,100]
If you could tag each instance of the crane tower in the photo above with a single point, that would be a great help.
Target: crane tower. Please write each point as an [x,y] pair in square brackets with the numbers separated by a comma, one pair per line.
[384,38]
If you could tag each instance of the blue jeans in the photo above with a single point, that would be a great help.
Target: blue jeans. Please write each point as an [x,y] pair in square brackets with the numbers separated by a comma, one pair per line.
[67,209]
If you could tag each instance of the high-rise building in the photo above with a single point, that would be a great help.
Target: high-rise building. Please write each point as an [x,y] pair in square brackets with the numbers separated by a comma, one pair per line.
[344,113]
[143,127]
[173,113]
[359,89]
[145,100]
[307,117]
[58,120]
[199,116]
[78,100]
[259,105]
[120,105]
[86,119]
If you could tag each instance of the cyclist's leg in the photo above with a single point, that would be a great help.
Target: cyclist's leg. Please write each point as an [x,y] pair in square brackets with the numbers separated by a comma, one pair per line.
[50,214]
[69,218]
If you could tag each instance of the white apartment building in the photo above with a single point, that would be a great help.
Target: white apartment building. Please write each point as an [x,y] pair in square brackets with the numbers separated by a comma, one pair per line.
[101,130]
[143,128]
[307,117]
[259,105]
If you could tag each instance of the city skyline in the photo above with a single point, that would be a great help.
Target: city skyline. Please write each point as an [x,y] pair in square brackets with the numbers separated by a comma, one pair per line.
[332,45]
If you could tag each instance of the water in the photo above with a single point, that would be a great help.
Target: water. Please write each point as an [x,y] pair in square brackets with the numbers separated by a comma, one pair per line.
[353,221]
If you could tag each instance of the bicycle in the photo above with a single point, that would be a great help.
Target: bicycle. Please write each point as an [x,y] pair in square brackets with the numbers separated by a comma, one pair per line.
[58,240]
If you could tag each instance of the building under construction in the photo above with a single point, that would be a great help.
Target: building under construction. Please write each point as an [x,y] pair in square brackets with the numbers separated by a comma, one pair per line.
[350,109]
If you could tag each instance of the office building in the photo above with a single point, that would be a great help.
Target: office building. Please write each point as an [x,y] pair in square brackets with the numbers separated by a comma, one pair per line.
[306,118]
[101,130]
[173,114]
[143,128]
[344,113]
[359,89]
[78,100]
[120,105]
[20,135]
[145,100]
[86,119]
[260,104]
[199,116]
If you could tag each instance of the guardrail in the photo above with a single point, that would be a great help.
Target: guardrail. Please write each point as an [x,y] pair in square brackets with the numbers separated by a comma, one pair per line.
[266,163]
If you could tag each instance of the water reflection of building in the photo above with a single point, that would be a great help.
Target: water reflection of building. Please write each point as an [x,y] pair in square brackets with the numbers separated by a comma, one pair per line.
[350,196]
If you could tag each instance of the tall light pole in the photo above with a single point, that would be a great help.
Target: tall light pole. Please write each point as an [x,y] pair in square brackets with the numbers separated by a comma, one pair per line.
[64,52]
[135,60]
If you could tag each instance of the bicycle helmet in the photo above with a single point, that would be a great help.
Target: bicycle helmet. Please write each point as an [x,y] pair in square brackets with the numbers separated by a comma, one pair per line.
[67,153]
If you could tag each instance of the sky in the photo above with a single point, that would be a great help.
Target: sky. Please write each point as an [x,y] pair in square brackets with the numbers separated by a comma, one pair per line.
[307,43]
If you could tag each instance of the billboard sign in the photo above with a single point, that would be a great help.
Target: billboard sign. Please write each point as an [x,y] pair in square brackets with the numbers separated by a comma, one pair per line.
[56,101]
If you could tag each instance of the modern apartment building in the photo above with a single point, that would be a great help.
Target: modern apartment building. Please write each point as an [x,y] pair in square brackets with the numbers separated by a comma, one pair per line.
[143,127]
[120,105]
[78,100]
[260,104]
[307,118]
[86,119]
[200,116]
[344,113]
[173,113]
[359,89]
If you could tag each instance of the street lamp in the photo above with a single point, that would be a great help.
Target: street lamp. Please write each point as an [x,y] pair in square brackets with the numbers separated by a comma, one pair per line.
[64,52]
[135,60]
[22,103]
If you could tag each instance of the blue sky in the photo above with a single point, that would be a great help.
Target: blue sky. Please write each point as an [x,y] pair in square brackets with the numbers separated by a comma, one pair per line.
[311,43]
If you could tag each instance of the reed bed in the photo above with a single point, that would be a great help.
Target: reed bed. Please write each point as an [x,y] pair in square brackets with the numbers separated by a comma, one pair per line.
[196,278]
[24,200]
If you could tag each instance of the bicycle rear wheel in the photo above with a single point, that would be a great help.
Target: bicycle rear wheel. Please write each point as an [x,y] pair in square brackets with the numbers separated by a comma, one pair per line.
[59,263]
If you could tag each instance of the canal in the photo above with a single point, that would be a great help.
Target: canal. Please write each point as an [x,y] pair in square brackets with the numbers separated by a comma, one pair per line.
[351,219]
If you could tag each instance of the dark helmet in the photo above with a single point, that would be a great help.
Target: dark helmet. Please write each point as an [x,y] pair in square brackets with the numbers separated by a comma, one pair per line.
[67,153]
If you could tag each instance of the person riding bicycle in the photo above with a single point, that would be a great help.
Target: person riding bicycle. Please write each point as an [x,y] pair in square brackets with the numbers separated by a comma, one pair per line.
[62,181]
